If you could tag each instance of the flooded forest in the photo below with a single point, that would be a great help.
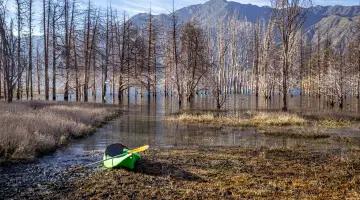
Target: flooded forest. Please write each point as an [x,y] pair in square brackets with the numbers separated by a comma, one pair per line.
[218,100]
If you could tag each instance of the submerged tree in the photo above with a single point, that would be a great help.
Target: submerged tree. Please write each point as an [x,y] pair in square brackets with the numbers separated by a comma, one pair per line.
[289,16]
[8,52]
[193,59]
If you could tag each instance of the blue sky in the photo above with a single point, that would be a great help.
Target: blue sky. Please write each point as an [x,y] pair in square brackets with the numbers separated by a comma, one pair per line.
[164,6]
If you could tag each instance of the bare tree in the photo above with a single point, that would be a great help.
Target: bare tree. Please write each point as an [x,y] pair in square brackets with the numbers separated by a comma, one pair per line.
[87,52]
[29,77]
[46,30]
[121,43]
[193,58]
[38,66]
[150,55]
[256,60]
[55,17]
[175,55]
[67,36]
[289,16]
[93,53]
[8,48]
[19,18]
[217,77]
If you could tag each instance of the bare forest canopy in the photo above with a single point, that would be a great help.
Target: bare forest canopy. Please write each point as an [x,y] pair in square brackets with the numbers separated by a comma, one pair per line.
[216,49]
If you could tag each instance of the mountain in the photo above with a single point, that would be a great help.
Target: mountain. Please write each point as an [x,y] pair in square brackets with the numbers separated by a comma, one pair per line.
[335,21]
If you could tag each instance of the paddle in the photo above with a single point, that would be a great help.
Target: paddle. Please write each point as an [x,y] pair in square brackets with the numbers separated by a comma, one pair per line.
[129,152]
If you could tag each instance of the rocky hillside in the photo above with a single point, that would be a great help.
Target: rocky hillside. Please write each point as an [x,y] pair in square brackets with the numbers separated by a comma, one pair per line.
[336,21]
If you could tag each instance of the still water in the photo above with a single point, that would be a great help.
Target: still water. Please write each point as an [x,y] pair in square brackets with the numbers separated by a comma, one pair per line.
[144,123]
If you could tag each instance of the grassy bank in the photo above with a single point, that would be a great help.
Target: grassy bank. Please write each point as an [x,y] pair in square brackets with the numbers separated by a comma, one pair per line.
[32,128]
[228,173]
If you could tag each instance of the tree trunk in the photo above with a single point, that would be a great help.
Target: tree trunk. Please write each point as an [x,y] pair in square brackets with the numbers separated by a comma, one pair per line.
[38,70]
[30,74]
[87,55]
[105,66]
[148,87]
[285,79]
[67,50]
[54,55]
[46,22]
[19,64]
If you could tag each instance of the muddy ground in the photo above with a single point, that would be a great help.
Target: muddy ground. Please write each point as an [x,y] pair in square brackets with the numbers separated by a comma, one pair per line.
[219,173]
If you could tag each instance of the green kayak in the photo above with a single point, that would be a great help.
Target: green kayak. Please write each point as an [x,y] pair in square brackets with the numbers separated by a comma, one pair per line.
[117,156]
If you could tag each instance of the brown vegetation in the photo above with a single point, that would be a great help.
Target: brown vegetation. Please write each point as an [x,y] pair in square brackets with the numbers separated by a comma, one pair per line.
[30,128]
[228,173]
[259,119]
[296,132]
[301,125]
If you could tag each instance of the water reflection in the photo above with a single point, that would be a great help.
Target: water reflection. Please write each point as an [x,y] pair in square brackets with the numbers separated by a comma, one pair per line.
[147,125]
[235,103]
[144,123]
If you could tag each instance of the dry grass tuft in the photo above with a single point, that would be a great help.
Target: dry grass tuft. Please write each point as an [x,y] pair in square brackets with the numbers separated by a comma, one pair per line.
[260,119]
[296,132]
[330,123]
[203,118]
[32,128]
[277,119]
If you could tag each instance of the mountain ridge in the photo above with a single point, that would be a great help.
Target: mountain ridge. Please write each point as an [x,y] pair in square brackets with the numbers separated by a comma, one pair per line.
[322,18]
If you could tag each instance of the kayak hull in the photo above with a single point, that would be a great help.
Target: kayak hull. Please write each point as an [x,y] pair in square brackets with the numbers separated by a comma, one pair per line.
[127,161]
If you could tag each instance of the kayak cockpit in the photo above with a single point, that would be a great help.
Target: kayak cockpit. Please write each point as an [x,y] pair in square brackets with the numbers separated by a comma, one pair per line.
[118,156]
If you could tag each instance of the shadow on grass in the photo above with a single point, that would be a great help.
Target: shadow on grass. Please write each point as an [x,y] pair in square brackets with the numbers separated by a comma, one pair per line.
[156,168]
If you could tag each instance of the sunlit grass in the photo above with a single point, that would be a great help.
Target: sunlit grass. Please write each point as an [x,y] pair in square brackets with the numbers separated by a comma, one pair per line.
[277,119]
[28,129]
[330,123]
[259,119]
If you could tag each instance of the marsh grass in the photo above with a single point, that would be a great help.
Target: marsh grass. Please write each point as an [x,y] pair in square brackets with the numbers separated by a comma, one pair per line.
[32,128]
[331,115]
[294,125]
[277,119]
[332,123]
[256,120]
[296,132]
